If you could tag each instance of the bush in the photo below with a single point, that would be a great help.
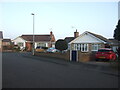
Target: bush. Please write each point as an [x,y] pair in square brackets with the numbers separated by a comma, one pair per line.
[16,48]
[61,45]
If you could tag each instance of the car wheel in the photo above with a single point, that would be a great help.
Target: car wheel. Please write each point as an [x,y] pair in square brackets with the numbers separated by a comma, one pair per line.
[113,58]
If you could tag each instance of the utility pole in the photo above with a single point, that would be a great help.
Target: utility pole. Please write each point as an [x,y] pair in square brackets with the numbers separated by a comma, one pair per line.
[33,49]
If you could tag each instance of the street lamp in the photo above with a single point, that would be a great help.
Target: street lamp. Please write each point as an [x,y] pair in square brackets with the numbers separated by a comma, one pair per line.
[33,50]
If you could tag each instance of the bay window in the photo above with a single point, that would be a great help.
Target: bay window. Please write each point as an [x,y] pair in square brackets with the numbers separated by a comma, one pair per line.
[81,47]
[95,47]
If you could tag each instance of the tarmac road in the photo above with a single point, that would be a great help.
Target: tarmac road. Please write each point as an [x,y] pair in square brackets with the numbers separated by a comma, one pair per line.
[22,70]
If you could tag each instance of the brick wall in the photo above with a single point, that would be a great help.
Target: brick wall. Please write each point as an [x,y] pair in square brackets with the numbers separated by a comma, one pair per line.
[65,56]
[29,46]
[5,43]
[85,56]
[82,57]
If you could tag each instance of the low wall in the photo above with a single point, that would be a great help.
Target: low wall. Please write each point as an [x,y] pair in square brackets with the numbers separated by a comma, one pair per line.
[82,57]
[65,55]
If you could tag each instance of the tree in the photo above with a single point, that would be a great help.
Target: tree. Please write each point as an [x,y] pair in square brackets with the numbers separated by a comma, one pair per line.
[61,45]
[117,32]
[118,52]
[117,37]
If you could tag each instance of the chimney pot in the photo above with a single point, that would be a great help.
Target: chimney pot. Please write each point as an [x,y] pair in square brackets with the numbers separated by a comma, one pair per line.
[51,33]
[76,34]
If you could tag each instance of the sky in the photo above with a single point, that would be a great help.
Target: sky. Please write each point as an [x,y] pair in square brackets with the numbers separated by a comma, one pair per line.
[59,17]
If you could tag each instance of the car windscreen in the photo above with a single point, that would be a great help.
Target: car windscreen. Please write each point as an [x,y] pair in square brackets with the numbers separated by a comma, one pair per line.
[102,50]
[38,47]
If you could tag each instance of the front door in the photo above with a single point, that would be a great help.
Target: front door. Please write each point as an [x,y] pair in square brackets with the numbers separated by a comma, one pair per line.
[74,55]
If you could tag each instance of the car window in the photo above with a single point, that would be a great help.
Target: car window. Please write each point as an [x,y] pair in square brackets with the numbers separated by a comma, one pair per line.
[38,47]
[102,50]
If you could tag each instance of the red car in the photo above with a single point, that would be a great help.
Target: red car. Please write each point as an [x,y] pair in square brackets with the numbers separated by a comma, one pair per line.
[105,54]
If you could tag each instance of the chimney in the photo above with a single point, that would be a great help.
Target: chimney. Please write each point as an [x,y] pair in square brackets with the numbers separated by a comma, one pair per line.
[52,37]
[51,33]
[76,34]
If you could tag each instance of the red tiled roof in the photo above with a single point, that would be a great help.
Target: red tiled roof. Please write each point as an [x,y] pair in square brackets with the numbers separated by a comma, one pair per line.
[6,40]
[100,37]
[69,39]
[115,42]
[37,37]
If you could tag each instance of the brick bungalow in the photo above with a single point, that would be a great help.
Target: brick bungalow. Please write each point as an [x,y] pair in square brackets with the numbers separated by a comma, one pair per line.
[26,41]
[89,42]
[69,39]
[6,42]
[86,44]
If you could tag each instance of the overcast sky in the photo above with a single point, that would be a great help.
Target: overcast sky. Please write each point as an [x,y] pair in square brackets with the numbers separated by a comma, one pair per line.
[97,17]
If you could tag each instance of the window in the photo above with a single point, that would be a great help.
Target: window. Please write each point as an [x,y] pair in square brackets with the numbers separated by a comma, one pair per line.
[75,46]
[41,44]
[95,47]
[20,44]
[81,47]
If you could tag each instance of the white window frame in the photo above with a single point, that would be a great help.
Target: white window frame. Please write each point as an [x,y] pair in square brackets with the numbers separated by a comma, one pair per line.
[81,47]
[41,44]
[20,44]
[95,47]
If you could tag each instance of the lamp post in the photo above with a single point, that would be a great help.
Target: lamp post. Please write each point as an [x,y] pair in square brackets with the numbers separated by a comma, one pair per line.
[33,50]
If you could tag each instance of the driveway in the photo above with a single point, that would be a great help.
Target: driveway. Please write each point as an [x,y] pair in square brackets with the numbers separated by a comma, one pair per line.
[22,70]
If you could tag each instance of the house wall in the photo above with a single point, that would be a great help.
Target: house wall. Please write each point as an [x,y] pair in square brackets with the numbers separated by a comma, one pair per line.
[20,40]
[49,44]
[5,43]
[46,44]
[89,47]
[102,45]
[29,46]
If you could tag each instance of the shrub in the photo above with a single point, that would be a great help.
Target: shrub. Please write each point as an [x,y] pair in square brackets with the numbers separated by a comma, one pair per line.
[61,45]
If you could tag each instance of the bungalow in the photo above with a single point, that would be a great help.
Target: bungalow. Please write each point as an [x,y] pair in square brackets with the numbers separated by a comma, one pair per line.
[89,42]
[6,42]
[26,41]
[114,44]
[69,39]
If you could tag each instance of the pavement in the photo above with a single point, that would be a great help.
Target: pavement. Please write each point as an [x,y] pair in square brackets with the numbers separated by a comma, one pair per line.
[109,67]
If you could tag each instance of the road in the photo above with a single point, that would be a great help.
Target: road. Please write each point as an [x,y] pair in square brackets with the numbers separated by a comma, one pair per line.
[22,70]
